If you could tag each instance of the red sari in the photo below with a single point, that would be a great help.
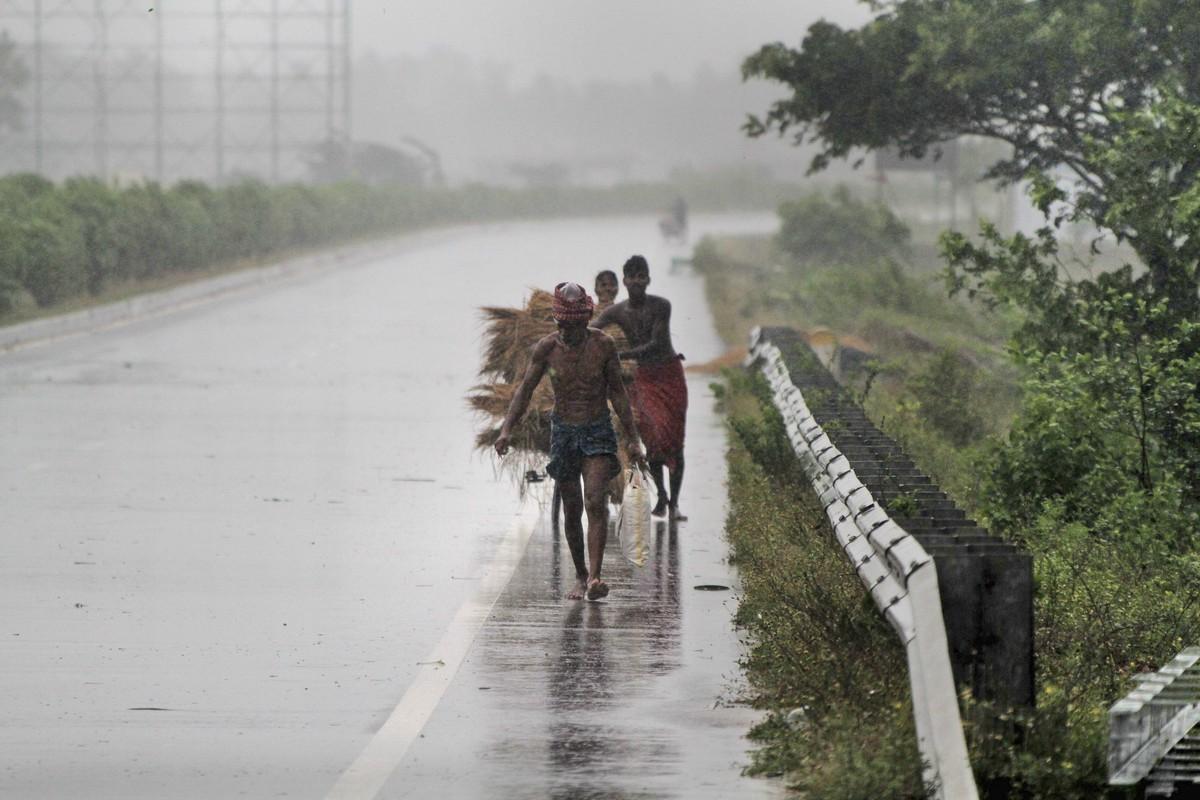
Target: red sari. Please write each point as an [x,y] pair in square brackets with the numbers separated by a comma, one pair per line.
[659,397]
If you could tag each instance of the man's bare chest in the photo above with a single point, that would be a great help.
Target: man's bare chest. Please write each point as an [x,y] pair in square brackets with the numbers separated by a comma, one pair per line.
[639,323]
[574,365]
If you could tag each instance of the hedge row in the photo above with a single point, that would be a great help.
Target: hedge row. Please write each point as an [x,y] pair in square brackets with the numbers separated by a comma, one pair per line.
[64,241]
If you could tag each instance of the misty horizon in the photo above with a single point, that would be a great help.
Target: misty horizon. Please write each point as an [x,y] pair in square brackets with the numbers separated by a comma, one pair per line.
[587,94]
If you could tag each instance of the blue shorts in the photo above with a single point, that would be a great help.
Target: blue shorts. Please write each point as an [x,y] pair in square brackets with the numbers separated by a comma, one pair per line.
[570,444]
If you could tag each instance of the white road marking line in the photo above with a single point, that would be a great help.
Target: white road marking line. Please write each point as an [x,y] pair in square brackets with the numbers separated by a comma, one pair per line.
[367,775]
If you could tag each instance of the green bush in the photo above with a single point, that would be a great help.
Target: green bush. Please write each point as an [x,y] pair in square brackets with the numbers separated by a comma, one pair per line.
[93,204]
[1106,608]
[947,393]
[840,230]
[1099,426]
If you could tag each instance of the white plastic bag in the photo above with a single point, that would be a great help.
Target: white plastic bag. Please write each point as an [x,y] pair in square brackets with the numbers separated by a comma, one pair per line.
[633,521]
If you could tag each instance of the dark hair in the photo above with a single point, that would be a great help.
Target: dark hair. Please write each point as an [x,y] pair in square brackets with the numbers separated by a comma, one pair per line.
[606,273]
[636,264]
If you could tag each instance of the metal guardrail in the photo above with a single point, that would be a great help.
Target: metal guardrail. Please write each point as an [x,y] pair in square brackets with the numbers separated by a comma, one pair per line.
[1148,729]
[896,571]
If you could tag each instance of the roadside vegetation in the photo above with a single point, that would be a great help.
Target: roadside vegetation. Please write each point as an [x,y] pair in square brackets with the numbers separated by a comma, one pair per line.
[1044,452]
[842,266]
[83,241]
[1054,395]
[820,657]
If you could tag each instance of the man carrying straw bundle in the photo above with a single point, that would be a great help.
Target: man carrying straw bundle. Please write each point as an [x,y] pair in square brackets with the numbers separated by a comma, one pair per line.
[585,375]
[660,396]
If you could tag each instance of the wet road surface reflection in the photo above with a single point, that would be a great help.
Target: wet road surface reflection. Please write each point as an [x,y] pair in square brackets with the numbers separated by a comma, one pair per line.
[607,653]
[620,699]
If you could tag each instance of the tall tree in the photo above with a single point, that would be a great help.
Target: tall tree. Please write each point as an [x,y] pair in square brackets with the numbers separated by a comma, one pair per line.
[1067,84]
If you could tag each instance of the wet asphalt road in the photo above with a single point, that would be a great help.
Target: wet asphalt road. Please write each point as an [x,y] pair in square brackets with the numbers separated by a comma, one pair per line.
[234,534]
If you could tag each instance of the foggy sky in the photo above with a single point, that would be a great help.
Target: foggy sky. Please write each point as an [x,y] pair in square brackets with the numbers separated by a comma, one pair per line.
[584,40]
[614,89]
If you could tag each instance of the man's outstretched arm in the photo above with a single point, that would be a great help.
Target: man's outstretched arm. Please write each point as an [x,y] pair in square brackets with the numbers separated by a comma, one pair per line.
[520,401]
[607,317]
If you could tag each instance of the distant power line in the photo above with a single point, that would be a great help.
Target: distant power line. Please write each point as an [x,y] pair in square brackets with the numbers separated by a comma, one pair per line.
[189,88]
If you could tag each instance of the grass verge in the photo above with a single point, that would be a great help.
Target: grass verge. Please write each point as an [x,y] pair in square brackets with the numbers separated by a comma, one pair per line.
[821,659]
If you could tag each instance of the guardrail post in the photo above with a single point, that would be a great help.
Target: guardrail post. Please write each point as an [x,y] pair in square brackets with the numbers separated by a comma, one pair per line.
[929,665]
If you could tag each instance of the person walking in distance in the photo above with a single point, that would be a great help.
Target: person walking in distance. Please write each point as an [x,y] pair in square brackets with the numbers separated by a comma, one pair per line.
[584,375]
[659,390]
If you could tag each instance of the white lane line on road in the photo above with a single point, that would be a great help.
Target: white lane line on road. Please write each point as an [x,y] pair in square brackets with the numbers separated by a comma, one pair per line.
[367,775]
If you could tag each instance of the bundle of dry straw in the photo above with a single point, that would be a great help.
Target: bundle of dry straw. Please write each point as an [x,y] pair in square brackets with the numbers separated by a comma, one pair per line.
[510,334]
[508,339]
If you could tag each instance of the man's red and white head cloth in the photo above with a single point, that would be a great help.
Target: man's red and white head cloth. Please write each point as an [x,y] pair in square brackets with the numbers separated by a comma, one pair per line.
[571,303]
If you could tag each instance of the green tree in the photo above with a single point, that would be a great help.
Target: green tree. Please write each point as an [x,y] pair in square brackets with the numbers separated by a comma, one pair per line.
[840,230]
[1108,92]
[947,392]
[1064,83]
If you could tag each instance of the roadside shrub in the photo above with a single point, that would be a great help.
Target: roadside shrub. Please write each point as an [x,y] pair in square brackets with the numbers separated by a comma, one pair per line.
[53,259]
[93,204]
[1106,608]
[946,390]
[148,242]
[840,230]
[763,435]
[50,245]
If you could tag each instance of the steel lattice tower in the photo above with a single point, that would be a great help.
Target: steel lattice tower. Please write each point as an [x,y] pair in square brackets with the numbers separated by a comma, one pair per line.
[170,89]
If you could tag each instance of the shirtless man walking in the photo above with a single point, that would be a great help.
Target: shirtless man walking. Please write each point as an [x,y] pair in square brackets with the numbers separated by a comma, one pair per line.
[660,388]
[585,374]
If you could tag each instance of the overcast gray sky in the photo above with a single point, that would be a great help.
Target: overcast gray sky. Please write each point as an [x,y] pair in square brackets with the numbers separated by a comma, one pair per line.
[593,39]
